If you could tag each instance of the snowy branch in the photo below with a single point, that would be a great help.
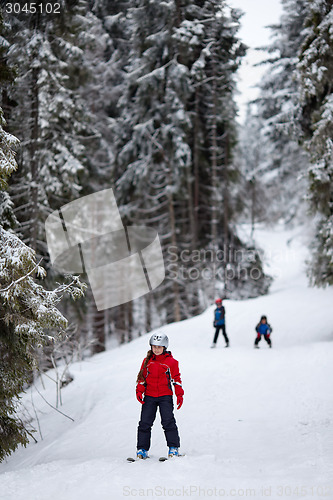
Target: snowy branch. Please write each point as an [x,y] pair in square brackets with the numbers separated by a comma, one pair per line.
[13,283]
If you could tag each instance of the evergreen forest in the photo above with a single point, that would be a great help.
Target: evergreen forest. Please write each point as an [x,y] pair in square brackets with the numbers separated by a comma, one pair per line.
[140,96]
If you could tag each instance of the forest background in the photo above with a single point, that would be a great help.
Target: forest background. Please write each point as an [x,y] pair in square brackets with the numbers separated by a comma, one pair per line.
[139,96]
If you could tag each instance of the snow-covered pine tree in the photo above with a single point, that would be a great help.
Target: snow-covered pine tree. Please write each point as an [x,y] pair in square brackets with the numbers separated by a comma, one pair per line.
[182,61]
[209,46]
[103,38]
[315,72]
[251,154]
[7,74]
[107,53]
[66,153]
[48,116]
[29,316]
[279,170]
[153,153]
[221,56]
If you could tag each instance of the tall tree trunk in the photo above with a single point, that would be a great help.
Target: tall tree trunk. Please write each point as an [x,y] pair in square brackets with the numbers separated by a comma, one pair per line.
[178,13]
[34,160]
[190,207]
[121,323]
[226,194]
[196,159]
[253,203]
[148,300]
[176,294]
[214,218]
[99,331]
[129,312]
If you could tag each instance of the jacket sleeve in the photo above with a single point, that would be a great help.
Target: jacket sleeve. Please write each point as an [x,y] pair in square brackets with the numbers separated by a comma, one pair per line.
[141,385]
[176,379]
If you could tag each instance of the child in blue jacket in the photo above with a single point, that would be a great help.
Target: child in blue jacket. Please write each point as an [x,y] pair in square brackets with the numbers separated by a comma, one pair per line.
[219,323]
[265,329]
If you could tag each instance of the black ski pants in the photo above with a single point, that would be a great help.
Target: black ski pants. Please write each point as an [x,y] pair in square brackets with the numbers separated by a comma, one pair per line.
[217,331]
[258,339]
[168,421]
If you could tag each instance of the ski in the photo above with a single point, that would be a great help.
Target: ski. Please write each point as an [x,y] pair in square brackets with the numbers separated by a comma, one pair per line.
[163,459]
[131,459]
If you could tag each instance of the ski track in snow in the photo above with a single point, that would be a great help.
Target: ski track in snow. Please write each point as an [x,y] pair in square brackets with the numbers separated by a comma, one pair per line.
[254,424]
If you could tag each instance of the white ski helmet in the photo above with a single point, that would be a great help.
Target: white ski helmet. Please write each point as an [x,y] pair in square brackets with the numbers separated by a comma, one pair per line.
[159,339]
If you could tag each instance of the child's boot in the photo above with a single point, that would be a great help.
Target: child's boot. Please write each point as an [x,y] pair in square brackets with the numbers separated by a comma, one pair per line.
[142,454]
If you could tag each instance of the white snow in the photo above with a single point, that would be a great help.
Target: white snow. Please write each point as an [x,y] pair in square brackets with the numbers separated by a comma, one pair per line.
[254,424]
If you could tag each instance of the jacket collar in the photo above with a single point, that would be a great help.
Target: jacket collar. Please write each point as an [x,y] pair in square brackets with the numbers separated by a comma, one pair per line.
[162,356]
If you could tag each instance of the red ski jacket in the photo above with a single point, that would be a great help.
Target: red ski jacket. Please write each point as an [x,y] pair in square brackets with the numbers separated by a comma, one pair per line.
[160,373]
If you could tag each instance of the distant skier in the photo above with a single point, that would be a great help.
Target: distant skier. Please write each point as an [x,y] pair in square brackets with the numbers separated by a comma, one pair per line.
[219,322]
[154,390]
[265,329]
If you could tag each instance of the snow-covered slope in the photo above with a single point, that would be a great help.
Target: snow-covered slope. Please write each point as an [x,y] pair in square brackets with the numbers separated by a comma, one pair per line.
[254,423]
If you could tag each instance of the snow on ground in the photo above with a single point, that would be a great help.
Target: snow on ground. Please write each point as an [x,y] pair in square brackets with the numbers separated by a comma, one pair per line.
[254,424]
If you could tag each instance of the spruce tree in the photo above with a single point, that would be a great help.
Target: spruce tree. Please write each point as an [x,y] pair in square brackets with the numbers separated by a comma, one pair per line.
[28,312]
[281,162]
[67,152]
[175,138]
[315,70]
[7,74]
[29,316]
[48,116]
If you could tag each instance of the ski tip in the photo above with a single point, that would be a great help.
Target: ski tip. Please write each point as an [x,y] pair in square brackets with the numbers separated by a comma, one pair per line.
[130,459]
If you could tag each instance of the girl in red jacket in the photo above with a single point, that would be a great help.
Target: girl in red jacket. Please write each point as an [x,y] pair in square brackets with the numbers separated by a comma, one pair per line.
[159,371]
